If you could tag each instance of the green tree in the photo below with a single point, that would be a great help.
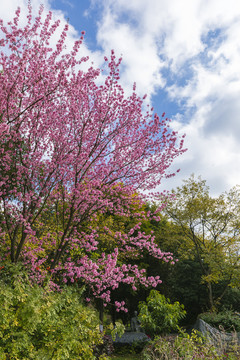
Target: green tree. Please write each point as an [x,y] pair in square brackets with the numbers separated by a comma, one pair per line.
[212,233]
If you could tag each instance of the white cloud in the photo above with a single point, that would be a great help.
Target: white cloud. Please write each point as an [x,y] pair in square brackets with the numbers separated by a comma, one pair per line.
[139,50]
[194,38]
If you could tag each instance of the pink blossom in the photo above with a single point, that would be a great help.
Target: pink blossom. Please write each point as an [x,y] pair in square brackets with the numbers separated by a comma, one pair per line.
[74,148]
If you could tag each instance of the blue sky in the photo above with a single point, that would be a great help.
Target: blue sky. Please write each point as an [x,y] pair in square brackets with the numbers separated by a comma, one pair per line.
[185,55]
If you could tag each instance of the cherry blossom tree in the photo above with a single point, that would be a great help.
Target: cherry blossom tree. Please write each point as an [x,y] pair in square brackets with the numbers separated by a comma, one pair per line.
[73,146]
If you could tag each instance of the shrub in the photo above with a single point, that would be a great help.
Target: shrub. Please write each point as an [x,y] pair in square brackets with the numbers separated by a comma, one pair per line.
[184,347]
[126,349]
[158,315]
[227,319]
[106,347]
[36,323]
[231,299]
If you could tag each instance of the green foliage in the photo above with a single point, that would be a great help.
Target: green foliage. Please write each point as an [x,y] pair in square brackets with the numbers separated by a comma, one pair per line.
[231,299]
[184,285]
[106,347]
[126,349]
[12,274]
[228,320]
[183,347]
[211,234]
[158,315]
[36,323]
[119,330]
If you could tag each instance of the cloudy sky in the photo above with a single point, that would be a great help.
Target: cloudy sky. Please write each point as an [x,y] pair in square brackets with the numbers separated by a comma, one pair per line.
[185,54]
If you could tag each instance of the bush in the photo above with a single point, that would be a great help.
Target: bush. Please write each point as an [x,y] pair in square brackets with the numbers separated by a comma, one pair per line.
[36,323]
[126,349]
[227,319]
[231,299]
[158,315]
[106,347]
[184,347]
